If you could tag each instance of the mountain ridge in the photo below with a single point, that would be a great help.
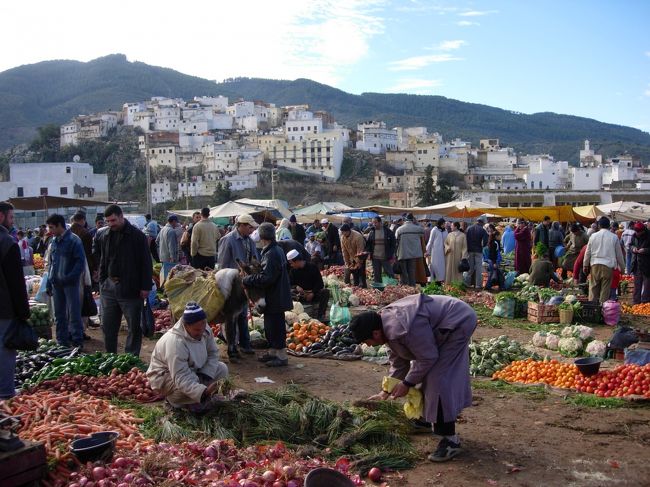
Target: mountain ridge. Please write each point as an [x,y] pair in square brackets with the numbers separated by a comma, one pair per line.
[54,91]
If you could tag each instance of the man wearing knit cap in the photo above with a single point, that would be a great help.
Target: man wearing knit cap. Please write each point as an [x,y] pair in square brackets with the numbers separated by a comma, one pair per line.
[185,364]
[274,280]
[603,255]
[297,230]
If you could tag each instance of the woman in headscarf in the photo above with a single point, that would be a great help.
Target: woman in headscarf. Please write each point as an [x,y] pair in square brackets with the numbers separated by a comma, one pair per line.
[428,344]
[523,248]
[283,232]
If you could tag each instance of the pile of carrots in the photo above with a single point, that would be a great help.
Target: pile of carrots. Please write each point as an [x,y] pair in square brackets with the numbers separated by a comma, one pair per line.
[305,333]
[637,309]
[57,419]
[531,371]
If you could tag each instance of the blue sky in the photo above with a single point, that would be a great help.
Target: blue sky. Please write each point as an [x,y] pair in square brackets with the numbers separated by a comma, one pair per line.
[587,58]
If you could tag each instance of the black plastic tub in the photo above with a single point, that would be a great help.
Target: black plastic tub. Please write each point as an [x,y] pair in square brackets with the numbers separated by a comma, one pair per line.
[588,366]
[327,477]
[98,446]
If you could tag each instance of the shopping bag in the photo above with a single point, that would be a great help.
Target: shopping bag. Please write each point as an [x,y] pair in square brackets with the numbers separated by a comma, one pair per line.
[20,336]
[88,305]
[41,295]
[339,315]
[147,322]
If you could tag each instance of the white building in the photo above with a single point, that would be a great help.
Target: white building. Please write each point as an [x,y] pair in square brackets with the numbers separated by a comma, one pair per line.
[300,124]
[319,155]
[130,109]
[375,138]
[66,179]
[218,103]
[87,127]
[161,192]
[545,173]
[587,178]
[162,156]
[588,157]
[144,120]
[167,118]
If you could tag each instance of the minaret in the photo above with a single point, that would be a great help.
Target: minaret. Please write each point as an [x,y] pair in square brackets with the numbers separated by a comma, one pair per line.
[586,144]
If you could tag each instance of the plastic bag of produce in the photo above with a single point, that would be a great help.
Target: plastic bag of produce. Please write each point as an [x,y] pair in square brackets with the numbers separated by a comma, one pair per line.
[611,312]
[414,404]
[41,295]
[505,308]
[339,315]
[389,281]
[203,290]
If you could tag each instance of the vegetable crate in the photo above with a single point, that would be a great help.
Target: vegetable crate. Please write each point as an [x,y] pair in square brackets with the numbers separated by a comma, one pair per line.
[543,313]
[590,313]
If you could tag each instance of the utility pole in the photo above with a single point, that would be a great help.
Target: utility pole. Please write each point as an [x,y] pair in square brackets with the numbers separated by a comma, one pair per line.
[148,174]
[187,200]
[275,178]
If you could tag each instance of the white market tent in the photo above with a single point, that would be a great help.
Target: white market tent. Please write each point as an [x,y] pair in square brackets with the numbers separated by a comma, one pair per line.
[322,208]
[280,205]
[226,210]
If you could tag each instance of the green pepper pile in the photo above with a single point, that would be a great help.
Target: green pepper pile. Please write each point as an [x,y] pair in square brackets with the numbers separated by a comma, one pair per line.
[96,364]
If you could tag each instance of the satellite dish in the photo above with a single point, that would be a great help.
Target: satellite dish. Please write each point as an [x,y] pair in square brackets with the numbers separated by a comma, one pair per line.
[76,158]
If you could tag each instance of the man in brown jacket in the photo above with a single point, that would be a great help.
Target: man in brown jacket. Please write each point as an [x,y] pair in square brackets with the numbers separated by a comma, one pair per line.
[354,256]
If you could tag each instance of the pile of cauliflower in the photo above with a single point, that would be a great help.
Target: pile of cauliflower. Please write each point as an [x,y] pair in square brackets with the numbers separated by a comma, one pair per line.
[572,341]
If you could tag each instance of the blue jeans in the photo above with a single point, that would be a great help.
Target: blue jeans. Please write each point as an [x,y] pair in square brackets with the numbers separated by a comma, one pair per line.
[242,324]
[7,364]
[67,315]
[628,261]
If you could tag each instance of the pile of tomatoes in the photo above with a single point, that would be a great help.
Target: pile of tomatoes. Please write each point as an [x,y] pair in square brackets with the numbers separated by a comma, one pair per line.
[305,333]
[531,371]
[626,380]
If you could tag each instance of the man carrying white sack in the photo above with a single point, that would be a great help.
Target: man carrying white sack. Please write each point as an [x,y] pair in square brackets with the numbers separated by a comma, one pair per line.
[185,364]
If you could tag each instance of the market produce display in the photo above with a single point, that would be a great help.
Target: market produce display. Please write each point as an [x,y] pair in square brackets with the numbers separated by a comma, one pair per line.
[481,298]
[489,356]
[99,363]
[163,320]
[39,262]
[571,342]
[334,270]
[133,385]
[29,363]
[337,343]
[374,297]
[216,464]
[56,419]
[626,380]
[531,371]
[374,434]
[305,334]
[39,316]
[636,309]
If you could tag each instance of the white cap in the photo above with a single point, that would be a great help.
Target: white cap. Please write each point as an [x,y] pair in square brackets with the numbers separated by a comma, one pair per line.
[255,236]
[324,221]
[292,254]
[246,218]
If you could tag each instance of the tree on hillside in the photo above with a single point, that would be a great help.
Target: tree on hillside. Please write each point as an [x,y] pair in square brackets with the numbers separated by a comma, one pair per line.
[222,193]
[428,194]
[46,143]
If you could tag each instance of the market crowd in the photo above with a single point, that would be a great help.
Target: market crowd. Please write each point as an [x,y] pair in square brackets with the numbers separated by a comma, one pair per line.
[114,258]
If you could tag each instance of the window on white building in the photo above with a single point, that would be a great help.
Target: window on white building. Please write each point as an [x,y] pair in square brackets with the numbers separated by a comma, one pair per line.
[43,191]
[20,192]
[63,190]
[68,170]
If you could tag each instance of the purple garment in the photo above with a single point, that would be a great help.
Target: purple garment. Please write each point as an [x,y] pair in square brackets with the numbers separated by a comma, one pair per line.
[428,339]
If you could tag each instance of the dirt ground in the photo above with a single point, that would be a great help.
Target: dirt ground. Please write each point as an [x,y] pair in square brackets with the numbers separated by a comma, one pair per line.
[509,438]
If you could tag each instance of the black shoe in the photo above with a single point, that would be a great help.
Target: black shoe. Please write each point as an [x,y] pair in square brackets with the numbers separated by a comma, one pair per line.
[87,337]
[248,351]
[419,426]
[446,451]
[266,358]
[276,362]
[234,357]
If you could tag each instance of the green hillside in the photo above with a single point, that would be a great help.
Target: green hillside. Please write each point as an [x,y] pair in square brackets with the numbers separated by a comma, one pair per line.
[55,91]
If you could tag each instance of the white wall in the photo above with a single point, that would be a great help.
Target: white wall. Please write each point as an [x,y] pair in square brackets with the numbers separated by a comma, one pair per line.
[57,179]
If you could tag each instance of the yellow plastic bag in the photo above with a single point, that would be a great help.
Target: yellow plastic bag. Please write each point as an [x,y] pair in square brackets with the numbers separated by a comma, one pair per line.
[414,404]
[203,290]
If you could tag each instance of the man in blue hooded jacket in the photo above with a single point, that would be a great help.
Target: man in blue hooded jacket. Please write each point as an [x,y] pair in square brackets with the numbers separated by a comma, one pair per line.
[66,264]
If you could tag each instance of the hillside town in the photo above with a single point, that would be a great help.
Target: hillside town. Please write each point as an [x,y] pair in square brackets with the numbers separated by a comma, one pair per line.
[192,147]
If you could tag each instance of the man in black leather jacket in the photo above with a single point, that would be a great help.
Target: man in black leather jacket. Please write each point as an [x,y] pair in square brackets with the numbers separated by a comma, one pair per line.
[274,279]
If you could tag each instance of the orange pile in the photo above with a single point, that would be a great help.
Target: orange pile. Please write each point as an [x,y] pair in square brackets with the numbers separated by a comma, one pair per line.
[531,371]
[637,309]
[305,333]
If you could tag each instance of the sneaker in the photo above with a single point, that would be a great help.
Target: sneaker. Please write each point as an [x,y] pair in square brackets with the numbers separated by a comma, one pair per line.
[419,426]
[276,362]
[266,358]
[446,451]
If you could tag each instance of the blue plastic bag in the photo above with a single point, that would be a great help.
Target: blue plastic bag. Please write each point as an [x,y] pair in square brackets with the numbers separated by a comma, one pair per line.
[41,295]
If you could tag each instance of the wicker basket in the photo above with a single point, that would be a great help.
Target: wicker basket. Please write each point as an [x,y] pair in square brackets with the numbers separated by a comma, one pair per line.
[566,316]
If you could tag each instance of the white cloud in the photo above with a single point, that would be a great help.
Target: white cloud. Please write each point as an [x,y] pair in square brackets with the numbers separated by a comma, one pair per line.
[319,39]
[451,45]
[647,53]
[477,13]
[418,62]
[647,91]
[466,23]
[415,85]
